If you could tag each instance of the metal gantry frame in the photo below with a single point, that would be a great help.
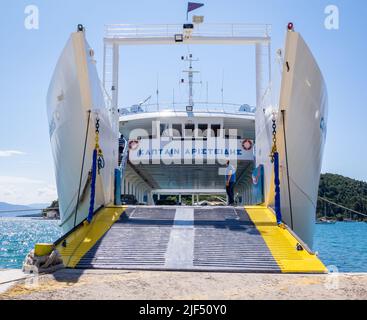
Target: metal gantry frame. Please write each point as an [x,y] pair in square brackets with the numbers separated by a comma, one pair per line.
[257,35]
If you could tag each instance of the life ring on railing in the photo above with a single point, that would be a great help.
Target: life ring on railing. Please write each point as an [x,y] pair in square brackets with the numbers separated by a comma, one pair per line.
[133,144]
[247,144]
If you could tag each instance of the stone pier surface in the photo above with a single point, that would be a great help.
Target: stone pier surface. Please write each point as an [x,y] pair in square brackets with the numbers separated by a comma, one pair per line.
[8,277]
[165,285]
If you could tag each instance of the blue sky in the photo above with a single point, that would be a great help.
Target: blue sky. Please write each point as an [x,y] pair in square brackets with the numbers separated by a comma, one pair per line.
[28,57]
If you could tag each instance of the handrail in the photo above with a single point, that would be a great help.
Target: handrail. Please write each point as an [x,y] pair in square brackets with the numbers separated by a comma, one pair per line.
[226,108]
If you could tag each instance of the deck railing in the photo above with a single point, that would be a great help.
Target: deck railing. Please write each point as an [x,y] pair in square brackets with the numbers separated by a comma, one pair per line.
[206,107]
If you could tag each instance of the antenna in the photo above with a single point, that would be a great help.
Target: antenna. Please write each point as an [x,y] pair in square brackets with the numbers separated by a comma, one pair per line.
[222,88]
[157,92]
[190,73]
[145,101]
[207,92]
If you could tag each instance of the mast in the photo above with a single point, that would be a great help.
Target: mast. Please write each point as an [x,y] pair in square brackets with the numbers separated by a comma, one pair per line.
[190,72]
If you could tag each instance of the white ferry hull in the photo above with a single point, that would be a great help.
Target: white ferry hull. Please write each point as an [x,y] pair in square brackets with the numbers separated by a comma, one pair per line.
[74,91]
[301,134]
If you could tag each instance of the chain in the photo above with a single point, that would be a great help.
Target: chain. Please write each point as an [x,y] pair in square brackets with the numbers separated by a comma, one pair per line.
[274,148]
[101,162]
[97,125]
[97,134]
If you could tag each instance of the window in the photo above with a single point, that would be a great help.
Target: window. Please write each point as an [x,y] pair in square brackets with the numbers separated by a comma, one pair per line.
[202,130]
[189,130]
[215,130]
[177,130]
[164,129]
[231,134]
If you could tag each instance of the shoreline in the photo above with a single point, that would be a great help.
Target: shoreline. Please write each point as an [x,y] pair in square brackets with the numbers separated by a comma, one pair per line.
[71,284]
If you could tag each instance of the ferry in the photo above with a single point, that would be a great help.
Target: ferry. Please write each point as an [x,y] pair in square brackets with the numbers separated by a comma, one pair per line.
[105,152]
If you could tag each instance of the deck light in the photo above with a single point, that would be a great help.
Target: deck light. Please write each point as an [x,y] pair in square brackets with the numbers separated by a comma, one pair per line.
[188,26]
[198,19]
[178,37]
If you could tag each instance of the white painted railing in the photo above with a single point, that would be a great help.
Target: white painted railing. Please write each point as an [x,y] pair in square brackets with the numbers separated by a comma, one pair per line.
[207,107]
[123,31]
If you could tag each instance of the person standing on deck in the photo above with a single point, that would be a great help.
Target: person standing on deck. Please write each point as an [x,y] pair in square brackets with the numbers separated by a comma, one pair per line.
[230,181]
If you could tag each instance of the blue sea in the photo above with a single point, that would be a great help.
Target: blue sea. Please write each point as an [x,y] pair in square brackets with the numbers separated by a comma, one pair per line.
[18,236]
[342,245]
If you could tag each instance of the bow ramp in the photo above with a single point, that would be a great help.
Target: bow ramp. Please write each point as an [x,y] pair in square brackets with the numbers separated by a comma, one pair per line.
[187,239]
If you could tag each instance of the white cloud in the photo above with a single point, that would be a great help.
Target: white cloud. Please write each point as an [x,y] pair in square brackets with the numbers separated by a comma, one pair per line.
[21,190]
[10,153]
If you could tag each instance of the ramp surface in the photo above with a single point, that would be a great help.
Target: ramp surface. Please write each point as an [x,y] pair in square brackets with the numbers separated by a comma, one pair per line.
[282,244]
[183,238]
[86,235]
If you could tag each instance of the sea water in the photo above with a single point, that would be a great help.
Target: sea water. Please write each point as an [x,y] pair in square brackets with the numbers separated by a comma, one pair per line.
[19,235]
[341,245]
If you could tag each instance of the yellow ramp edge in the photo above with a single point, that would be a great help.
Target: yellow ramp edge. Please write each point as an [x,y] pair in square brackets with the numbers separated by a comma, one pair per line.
[86,236]
[282,244]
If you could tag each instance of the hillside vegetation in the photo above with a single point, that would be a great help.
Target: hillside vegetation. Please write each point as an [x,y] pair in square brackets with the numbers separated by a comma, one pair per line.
[345,191]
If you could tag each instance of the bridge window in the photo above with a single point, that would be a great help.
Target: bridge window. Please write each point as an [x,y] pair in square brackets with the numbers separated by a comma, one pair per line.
[215,130]
[164,129]
[231,134]
[202,130]
[189,130]
[177,130]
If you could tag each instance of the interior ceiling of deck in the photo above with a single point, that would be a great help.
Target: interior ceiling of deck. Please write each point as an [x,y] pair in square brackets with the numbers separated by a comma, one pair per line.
[194,176]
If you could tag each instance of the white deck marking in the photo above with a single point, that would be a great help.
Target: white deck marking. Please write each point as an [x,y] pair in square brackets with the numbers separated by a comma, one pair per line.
[180,250]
